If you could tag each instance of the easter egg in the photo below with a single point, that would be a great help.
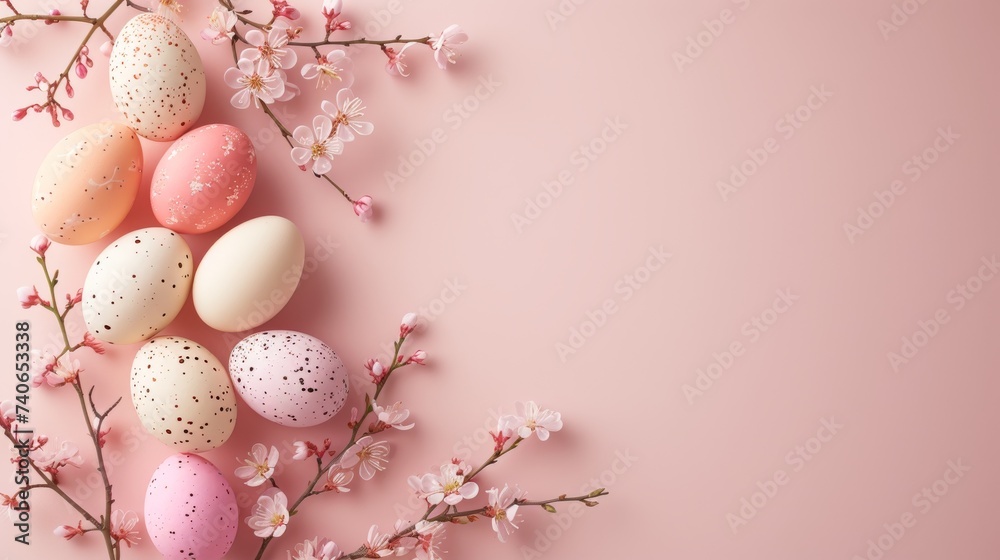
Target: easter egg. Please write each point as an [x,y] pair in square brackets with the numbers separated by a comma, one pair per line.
[204,179]
[87,183]
[137,285]
[182,394]
[289,377]
[249,274]
[190,509]
[157,77]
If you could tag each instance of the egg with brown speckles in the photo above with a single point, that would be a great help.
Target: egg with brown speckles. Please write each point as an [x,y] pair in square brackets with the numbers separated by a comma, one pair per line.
[288,377]
[190,509]
[157,77]
[137,285]
[204,179]
[87,183]
[182,394]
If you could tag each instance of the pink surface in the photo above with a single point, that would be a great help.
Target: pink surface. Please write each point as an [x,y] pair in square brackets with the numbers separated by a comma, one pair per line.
[638,263]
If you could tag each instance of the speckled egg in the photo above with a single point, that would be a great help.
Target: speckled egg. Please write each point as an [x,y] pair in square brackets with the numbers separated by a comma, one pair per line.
[87,183]
[249,274]
[190,509]
[289,377]
[137,285]
[204,179]
[182,394]
[157,77]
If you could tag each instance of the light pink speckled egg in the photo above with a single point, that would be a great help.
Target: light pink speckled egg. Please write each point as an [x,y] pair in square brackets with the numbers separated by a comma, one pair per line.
[204,179]
[289,377]
[87,183]
[157,77]
[190,509]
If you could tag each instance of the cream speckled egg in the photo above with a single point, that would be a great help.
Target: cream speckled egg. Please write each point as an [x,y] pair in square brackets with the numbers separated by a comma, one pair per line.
[137,285]
[182,394]
[289,377]
[157,77]
[204,179]
[249,274]
[87,183]
[190,510]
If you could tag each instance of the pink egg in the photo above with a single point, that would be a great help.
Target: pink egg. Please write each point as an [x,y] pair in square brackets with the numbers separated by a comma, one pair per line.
[204,179]
[289,377]
[190,509]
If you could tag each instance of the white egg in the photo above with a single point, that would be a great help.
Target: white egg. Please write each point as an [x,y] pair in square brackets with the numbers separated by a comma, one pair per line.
[182,394]
[157,77]
[137,285]
[249,274]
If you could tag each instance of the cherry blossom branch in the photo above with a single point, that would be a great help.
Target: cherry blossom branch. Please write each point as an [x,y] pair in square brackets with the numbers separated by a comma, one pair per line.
[59,370]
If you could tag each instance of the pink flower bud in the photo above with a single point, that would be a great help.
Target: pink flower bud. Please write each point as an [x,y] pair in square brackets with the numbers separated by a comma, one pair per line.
[53,13]
[418,357]
[28,297]
[67,114]
[69,89]
[19,113]
[39,243]
[106,48]
[81,70]
[408,323]
[363,208]
[90,342]
[68,531]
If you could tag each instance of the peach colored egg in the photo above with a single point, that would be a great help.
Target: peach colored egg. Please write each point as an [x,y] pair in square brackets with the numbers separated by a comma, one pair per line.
[190,510]
[157,77]
[204,179]
[87,183]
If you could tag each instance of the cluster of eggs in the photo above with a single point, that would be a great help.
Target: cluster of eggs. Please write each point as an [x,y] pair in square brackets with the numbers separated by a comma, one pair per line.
[182,394]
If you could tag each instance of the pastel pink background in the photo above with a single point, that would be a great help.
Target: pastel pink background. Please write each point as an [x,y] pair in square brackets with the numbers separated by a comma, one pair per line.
[523,292]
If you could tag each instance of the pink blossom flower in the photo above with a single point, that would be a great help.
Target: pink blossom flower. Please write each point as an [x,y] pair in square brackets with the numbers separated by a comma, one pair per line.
[68,531]
[7,35]
[392,417]
[395,66]
[8,411]
[253,82]
[529,419]
[272,48]
[123,527]
[302,451]
[270,514]
[444,52]
[502,508]
[260,466]
[316,145]
[502,434]
[407,324]
[65,372]
[40,244]
[377,544]
[345,114]
[28,296]
[316,549]
[371,456]
[401,546]
[337,480]
[281,8]
[335,67]
[220,26]
[90,342]
[363,209]
[449,487]
[51,462]
[429,537]
[418,357]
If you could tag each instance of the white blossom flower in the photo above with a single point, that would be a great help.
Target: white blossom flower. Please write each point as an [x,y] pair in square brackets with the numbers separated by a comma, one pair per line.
[271,48]
[529,419]
[335,68]
[371,457]
[260,466]
[345,114]
[270,514]
[220,26]
[502,508]
[123,527]
[254,81]
[444,52]
[449,487]
[316,145]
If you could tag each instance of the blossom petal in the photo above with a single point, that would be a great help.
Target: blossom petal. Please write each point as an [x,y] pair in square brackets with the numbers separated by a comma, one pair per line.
[323,127]
[301,156]
[322,166]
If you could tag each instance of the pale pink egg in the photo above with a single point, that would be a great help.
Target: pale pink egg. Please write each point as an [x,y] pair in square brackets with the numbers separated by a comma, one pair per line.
[204,179]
